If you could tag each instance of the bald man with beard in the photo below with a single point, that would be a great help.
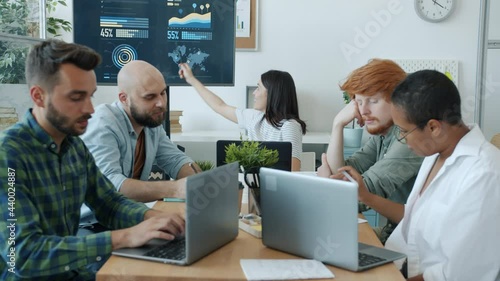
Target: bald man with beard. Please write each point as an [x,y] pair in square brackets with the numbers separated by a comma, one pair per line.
[126,137]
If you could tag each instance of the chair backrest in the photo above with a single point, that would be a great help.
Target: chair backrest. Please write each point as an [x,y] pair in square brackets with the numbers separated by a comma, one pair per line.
[495,140]
[157,173]
[308,161]
[284,152]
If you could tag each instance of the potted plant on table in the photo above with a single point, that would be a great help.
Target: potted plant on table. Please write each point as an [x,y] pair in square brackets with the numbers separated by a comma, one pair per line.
[251,155]
[352,134]
[205,165]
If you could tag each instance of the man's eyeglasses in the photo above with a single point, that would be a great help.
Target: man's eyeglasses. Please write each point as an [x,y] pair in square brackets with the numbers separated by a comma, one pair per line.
[402,137]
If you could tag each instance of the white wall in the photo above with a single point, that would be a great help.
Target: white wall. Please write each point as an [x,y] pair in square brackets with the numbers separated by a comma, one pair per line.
[306,38]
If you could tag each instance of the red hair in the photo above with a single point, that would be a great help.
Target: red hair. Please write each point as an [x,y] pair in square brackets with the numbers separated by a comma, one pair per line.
[377,76]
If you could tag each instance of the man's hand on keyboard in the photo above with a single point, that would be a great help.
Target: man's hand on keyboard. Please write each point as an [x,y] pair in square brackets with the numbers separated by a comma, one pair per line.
[156,225]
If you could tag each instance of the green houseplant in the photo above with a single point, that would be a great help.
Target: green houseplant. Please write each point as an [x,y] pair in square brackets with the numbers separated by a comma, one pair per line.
[251,155]
[352,135]
[347,100]
[15,20]
[205,165]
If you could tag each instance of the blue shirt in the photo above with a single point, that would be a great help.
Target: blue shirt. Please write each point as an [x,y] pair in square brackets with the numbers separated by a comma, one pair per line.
[111,138]
[41,194]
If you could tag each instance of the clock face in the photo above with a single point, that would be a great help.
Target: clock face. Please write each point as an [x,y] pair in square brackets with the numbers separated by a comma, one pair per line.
[434,10]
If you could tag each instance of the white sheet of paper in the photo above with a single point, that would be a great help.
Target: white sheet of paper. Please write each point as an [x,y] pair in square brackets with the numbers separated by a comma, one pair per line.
[362,220]
[284,269]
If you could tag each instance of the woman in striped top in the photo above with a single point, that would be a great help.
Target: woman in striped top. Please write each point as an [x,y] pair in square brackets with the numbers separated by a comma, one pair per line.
[275,116]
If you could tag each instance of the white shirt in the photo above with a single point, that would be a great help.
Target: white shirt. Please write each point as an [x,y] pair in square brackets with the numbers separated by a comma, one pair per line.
[452,231]
[259,129]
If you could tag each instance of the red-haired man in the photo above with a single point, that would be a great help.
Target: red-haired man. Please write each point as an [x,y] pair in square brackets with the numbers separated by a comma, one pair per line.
[388,167]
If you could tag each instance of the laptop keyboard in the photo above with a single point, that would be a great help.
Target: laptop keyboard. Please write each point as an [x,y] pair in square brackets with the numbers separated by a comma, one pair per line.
[174,250]
[365,259]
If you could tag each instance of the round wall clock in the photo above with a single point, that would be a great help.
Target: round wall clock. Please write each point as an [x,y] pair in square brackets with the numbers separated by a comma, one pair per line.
[434,10]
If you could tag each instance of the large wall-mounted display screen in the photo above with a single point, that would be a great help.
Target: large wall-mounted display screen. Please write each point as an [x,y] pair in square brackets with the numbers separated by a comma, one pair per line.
[161,32]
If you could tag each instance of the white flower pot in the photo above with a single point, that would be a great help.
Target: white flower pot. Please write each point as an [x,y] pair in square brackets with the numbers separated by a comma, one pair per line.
[353,136]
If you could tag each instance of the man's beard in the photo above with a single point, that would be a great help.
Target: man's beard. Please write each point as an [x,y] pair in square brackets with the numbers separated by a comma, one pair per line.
[144,119]
[62,122]
[381,129]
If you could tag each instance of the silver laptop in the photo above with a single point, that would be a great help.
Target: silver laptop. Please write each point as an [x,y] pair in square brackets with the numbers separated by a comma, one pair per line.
[316,218]
[212,211]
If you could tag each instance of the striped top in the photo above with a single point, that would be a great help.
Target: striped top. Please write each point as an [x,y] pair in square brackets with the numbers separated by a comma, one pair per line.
[259,129]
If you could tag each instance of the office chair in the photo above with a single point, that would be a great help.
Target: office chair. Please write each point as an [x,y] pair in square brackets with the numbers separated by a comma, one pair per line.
[157,174]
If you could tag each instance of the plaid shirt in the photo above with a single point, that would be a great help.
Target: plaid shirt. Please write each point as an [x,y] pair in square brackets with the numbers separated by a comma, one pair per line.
[41,192]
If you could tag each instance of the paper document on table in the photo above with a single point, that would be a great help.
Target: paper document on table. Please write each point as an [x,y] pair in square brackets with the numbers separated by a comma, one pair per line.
[362,220]
[284,269]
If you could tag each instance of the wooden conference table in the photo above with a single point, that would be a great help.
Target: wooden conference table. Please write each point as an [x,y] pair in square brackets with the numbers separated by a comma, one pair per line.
[224,263]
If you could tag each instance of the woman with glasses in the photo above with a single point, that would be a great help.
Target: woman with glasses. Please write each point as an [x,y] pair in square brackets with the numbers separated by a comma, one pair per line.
[448,227]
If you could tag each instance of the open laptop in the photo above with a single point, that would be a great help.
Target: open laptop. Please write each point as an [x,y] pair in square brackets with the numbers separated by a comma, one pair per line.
[316,218]
[284,149]
[212,211]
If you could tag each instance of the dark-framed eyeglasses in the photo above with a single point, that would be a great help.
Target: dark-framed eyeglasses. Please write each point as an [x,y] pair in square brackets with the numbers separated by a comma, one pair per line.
[402,137]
